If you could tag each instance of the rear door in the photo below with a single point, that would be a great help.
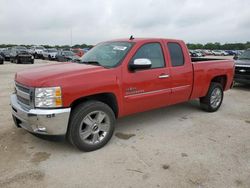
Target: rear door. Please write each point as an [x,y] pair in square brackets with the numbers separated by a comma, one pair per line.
[147,89]
[181,71]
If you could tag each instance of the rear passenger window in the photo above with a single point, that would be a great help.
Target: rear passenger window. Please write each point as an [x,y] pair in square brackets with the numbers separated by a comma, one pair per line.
[176,54]
[153,52]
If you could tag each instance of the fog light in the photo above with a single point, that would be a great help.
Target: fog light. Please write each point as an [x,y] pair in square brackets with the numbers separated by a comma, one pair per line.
[41,129]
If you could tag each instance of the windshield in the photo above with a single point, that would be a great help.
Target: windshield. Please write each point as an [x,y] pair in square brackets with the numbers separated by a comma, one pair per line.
[108,54]
[245,55]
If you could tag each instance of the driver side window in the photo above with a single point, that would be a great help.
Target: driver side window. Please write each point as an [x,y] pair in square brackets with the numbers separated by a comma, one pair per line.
[153,52]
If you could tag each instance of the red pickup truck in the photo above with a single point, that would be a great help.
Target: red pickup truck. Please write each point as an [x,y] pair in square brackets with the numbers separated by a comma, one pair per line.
[82,99]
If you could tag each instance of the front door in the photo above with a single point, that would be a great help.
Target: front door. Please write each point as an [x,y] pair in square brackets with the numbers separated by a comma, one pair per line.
[150,88]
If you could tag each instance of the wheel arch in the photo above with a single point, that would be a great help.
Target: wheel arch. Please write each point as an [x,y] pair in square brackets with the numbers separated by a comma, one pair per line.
[107,98]
[221,79]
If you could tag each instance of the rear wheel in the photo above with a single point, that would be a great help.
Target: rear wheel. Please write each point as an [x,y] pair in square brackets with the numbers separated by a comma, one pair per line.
[212,101]
[91,125]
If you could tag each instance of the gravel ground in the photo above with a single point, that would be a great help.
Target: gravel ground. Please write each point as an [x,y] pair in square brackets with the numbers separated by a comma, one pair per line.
[178,146]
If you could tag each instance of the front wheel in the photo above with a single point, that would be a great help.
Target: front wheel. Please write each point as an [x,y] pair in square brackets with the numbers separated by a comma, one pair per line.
[212,101]
[91,125]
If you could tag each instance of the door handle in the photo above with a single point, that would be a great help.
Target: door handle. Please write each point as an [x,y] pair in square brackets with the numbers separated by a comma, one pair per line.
[164,76]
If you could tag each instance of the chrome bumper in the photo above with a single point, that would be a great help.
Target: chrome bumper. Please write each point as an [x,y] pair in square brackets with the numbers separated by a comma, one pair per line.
[41,121]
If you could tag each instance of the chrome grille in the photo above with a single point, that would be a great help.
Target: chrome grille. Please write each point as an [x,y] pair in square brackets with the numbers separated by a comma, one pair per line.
[23,95]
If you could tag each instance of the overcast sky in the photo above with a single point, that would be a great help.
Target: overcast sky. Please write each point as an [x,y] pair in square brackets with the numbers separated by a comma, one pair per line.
[92,21]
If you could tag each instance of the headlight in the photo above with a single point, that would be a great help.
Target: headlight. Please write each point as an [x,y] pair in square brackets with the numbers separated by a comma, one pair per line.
[48,97]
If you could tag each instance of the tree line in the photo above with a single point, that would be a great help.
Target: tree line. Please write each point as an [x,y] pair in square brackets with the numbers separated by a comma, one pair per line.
[219,46]
[50,46]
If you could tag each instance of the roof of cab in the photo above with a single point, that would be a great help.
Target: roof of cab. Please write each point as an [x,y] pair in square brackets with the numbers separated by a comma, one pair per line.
[136,40]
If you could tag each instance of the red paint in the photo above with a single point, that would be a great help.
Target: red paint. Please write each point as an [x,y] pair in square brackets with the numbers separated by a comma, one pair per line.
[185,82]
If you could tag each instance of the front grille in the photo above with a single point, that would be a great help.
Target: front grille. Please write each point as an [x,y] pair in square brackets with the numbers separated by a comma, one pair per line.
[242,70]
[23,100]
[22,88]
[23,95]
[25,58]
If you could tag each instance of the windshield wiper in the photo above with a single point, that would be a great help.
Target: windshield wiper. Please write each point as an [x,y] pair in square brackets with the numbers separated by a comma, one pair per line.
[91,62]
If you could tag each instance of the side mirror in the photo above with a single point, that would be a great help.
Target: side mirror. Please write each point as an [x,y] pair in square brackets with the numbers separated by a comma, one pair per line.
[236,57]
[141,63]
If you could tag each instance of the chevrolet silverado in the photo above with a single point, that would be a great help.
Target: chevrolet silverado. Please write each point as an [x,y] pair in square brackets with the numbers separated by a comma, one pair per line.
[82,100]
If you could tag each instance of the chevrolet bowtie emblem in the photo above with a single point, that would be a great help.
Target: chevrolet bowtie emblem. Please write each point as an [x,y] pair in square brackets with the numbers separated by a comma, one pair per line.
[242,70]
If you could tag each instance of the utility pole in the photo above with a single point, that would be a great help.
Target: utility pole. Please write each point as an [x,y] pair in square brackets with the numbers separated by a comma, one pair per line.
[71,37]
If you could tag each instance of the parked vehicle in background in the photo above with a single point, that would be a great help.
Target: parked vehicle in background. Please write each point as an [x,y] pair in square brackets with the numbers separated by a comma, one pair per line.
[50,54]
[217,53]
[208,52]
[5,53]
[115,79]
[63,56]
[192,53]
[1,60]
[19,54]
[231,52]
[239,52]
[224,53]
[195,53]
[200,53]
[37,51]
[242,68]
[79,52]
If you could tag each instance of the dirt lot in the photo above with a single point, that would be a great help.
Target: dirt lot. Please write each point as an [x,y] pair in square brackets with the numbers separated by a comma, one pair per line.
[179,146]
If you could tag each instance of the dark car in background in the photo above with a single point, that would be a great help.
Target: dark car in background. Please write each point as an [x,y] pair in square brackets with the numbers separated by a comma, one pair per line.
[63,56]
[1,60]
[20,54]
[5,53]
[231,52]
[242,68]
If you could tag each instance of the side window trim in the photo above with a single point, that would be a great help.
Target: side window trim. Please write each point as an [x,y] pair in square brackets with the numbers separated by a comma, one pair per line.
[183,57]
[163,55]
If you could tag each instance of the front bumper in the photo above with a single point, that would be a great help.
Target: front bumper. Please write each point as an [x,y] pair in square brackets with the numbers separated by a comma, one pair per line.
[40,121]
[25,59]
[244,79]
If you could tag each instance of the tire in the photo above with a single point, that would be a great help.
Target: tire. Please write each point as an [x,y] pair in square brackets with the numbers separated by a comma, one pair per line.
[212,101]
[16,60]
[85,131]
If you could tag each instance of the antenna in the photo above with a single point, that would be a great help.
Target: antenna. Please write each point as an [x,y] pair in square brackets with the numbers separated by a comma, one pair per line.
[131,37]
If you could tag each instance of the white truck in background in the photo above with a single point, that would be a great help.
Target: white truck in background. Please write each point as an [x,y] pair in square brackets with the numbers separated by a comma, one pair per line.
[37,51]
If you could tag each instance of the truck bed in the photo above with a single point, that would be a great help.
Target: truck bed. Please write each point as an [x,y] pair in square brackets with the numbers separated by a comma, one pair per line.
[198,59]
[207,69]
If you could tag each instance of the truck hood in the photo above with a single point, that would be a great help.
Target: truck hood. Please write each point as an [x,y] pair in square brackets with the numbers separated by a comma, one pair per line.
[242,62]
[47,75]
